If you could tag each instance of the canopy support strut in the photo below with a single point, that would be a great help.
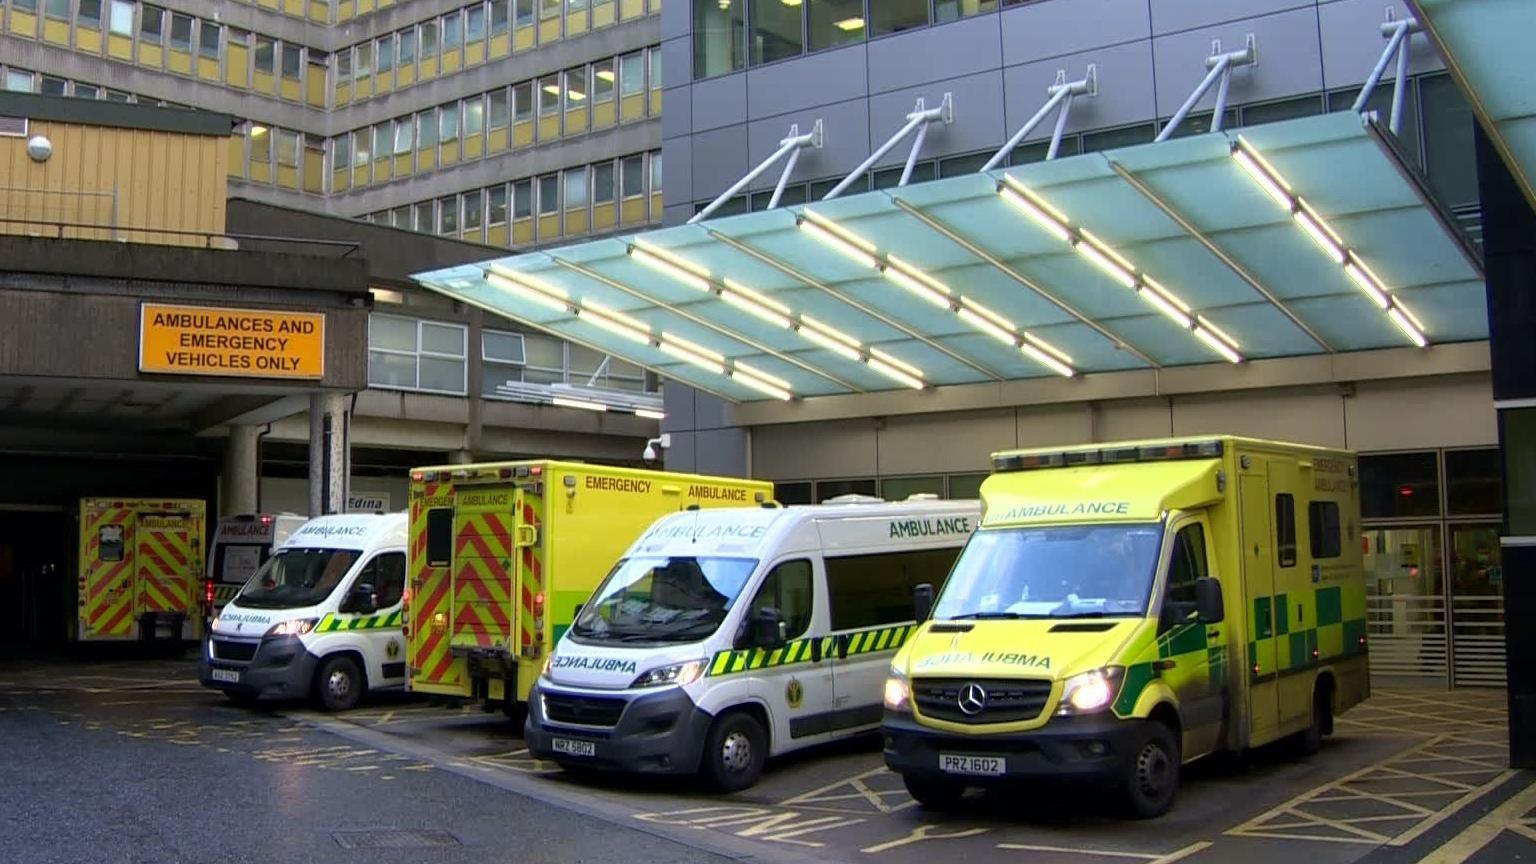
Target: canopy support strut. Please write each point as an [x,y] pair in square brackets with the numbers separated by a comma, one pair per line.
[1061,94]
[918,121]
[791,147]
[1220,66]
[1397,34]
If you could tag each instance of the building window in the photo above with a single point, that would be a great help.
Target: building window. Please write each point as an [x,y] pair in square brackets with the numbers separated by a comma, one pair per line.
[473,215]
[655,172]
[950,10]
[632,74]
[1474,482]
[288,148]
[58,10]
[453,32]
[549,9]
[428,39]
[902,488]
[474,24]
[522,101]
[632,176]
[19,81]
[501,109]
[655,71]
[448,122]
[403,137]
[522,199]
[499,17]
[1324,531]
[549,194]
[474,116]
[426,216]
[85,91]
[121,20]
[407,354]
[181,32]
[602,183]
[871,590]
[549,96]
[362,59]
[208,40]
[119,96]
[341,152]
[496,205]
[381,141]
[293,62]
[426,129]
[720,37]
[835,22]
[576,188]
[1518,432]
[894,16]
[151,24]
[544,358]
[1285,529]
[89,15]
[407,47]
[1449,158]
[384,48]
[54,86]
[1399,485]
[777,30]
[522,11]
[603,76]
[266,55]
[361,148]
[502,360]
[576,88]
[448,214]
[261,144]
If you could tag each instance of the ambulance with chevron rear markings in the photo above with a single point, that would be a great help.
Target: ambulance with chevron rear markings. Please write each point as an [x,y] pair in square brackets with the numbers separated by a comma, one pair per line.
[321,618]
[723,637]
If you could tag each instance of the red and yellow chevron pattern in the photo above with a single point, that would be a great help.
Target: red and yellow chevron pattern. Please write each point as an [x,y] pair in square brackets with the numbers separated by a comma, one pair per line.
[482,579]
[430,610]
[137,557]
[106,586]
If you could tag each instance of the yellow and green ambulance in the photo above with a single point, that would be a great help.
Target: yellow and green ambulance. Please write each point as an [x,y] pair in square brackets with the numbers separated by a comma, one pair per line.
[1127,608]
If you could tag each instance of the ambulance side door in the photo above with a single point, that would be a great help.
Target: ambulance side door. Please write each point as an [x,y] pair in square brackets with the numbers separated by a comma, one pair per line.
[378,632]
[1192,654]
[795,680]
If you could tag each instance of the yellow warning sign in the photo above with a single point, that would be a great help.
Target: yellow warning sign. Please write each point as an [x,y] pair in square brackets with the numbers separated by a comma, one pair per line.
[251,343]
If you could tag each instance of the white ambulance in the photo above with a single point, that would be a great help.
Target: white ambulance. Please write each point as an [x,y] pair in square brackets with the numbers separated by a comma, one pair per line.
[723,637]
[321,618]
[241,544]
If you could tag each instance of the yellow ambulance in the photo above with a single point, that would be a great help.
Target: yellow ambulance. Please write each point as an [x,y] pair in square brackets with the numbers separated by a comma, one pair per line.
[1127,608]
[503,555]
[140,570]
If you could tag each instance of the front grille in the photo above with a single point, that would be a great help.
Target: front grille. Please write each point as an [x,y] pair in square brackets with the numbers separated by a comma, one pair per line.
[1002,700]
[583,710]
[240,651]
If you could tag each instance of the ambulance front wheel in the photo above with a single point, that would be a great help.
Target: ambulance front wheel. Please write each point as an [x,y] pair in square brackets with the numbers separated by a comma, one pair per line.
[339,683]
[1151,773]
[735,751]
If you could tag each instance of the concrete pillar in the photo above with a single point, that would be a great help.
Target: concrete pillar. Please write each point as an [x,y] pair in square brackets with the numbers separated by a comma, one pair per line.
[461,457]
[330,453]
[242,471]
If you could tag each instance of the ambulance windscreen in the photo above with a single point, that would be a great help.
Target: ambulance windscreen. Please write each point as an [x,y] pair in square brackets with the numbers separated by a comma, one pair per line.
[679,599]
[1055,572]
[293,578]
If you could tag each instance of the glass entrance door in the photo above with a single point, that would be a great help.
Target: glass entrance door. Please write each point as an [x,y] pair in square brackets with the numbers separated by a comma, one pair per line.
[1407,621]
[1477,605]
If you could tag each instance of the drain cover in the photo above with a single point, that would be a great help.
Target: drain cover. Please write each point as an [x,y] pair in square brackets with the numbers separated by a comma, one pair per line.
[395,839]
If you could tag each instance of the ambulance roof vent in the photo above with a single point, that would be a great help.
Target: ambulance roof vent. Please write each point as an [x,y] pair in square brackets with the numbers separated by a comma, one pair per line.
[1108,455]
[922,496]
[854,498]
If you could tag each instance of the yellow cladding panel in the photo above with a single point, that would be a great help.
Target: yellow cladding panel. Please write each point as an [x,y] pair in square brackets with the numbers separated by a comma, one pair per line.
[403,166]
[604,114]
[655,103]
[428,68]
[449,152]
[23,24]
[498,140]
[152,56]
[343,92]
[549,127]
[237,156]
[603,14]
[341,180]
[237,72]
[497,236]
[261,172]
[314,173]
[576,121]
[632,211]
[575,23]
[632,108]
[365,6]
[525,39]
[319,11]
[180,62]
[208,69]
[501,45]
[473,235]
[522,232]
[474,147]
[346,10]
[383,82]
[288,176]
[290,89]
[267,4]
[56,32]
[522,133]
[266,82]
[294,8]
[604,216]
[631,9]
[426,160]
[655,215]
[363,87]
[88,41]
[575,222]
[549,226]
[315,86]
[453,60]
[381,170]
[360,175]
[549,31]
[474,54]
[161,180]
[405,75]
[119,47]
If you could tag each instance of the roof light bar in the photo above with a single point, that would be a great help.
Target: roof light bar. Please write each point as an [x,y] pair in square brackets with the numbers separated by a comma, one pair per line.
[547,296]
[755,303]
[1112,263]
[1213,449]
[678,268]
[838,238]
[615,322]
[1274,184]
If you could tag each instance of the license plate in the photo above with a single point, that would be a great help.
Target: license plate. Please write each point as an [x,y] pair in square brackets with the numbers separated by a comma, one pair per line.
[983,766]
[231,676]
[574,747]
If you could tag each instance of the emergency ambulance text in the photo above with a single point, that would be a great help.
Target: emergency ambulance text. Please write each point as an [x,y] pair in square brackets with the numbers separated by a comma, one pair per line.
[618,484]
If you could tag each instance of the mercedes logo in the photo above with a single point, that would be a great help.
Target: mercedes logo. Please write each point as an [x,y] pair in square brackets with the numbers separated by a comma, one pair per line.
[972,699]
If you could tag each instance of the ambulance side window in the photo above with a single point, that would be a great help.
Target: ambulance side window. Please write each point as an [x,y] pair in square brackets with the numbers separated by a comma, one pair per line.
[386,573]
[439,537]
[1323,517]
[1285,528]
[1186,566]
[787,589]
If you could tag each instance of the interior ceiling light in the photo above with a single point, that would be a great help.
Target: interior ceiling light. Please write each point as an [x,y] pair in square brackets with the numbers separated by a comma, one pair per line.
[850,24]
[1115,266]
[932,290]
[1322,234]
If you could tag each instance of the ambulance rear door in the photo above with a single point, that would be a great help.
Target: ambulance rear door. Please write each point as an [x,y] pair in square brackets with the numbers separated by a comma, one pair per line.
[485,567]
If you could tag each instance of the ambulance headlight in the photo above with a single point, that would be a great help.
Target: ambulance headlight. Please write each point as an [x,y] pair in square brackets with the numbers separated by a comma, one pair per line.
[898,695]
[549,663]
[681,674]
[293,627]
[1091,691]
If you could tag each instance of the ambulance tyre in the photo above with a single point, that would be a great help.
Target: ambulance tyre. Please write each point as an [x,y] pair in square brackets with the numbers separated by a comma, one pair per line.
[339,683]
[735,751]
[1310,740]
[1151,776]
[934,793]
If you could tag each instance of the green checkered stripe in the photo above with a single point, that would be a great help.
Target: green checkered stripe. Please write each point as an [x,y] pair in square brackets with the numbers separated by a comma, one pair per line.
[333,623]
[1333,637]
[1188,638]
[801,650]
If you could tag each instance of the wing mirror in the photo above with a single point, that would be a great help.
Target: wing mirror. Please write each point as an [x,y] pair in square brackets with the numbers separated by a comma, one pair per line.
[922,602]
[361,600]
[1208,603]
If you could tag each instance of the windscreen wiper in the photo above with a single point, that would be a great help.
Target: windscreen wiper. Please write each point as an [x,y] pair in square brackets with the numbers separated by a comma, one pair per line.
[1098,614]
[985,616]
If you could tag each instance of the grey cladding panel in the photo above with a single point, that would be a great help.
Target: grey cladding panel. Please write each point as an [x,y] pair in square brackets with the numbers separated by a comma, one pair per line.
[721,159]
[934,54]
[1173,16]
[721,452]
[719,102]
[846,143]
[978,122]
[1290,60]
[1352,42]
[1125,89]
[677,176]
[676,62]
[820,79]
[1059,27]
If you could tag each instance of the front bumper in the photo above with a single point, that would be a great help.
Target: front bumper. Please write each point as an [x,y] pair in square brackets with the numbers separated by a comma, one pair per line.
[1095,748]
[657,733]
[280,669]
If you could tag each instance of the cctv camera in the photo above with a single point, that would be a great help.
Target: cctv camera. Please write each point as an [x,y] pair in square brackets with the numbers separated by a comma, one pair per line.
[650,453]
[663,442]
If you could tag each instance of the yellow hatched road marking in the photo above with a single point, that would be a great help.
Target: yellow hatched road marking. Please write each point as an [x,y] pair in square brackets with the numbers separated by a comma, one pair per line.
[1512,815]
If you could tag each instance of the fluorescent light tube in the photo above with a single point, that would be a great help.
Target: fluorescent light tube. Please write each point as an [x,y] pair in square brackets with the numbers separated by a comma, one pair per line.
[765,387]
[839,243]
[932,293]
[1047,360]
[577,403]
[827,341]
[1165,306]
[1407,327]
[1036,210]
[987,326]
[760,374]
[896,361]
[1270,185]
[649,414]
[895,374]
[1319,235]
[687,356]
[528,292]
[1113,269]
[1217,332]
[1047,347]
[671,267]
[1367,282]
[1218,346]
[754,307]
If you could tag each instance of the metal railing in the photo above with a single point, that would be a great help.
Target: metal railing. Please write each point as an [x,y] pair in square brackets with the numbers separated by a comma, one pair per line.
[207,239]
[66,196]
[1477,641]
[1419,636]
